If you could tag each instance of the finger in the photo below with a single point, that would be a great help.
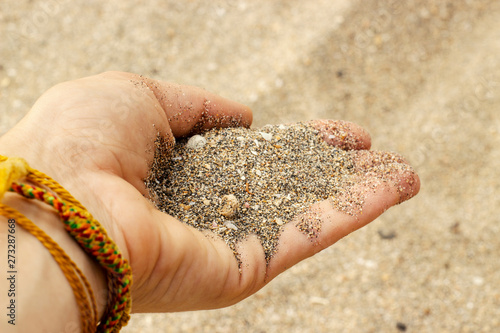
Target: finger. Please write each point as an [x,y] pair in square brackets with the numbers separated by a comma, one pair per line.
[383,186]
[389,168]
[192,110]
[343,134]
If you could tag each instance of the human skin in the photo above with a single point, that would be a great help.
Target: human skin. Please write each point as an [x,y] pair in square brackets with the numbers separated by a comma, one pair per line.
[95,136]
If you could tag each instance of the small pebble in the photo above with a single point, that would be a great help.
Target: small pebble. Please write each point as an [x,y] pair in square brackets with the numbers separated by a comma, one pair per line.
[401,327]
[386,233]
[229,205]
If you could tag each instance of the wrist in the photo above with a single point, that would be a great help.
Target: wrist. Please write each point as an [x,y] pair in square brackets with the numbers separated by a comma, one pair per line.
[41,283]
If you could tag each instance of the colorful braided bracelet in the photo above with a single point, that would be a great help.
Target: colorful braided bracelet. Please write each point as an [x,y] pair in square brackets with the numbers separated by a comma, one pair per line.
[88,233]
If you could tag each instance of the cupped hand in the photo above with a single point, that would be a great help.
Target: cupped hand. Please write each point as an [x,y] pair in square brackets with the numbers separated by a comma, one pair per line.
[96,136]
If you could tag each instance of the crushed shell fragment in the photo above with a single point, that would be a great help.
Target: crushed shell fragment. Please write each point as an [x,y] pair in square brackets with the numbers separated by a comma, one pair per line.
[196,142]
[266,136]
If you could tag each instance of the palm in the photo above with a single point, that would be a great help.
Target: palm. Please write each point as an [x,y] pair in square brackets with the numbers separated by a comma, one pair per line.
[108,125]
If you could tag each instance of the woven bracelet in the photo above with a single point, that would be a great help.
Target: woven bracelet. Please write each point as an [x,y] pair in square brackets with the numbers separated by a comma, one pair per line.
[88,233]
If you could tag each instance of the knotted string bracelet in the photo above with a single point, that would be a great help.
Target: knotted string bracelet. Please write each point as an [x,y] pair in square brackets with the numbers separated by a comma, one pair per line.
[88,233]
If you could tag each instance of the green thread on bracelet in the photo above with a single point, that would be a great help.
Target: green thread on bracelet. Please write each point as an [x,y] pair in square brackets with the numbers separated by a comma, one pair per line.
[88,233]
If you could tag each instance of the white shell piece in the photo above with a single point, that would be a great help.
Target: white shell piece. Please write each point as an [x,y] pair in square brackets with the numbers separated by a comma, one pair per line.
[196,142]
[230,225]
[266,136]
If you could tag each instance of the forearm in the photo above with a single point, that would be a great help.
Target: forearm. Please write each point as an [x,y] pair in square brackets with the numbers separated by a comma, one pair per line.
[43,298]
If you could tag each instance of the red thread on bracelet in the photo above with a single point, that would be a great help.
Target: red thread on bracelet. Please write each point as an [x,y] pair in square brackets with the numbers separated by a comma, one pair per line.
[89,234]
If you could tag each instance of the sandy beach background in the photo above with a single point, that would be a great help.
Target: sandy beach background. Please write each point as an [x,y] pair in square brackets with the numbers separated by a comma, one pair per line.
[422,76]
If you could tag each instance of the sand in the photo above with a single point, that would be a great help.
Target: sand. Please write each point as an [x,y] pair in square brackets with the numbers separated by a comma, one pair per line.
[423,77]
[236,181]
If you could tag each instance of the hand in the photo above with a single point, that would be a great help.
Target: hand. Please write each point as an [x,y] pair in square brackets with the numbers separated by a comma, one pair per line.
[96,135]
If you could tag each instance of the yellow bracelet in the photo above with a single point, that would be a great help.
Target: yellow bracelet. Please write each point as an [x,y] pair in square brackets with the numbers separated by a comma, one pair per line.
[88,233]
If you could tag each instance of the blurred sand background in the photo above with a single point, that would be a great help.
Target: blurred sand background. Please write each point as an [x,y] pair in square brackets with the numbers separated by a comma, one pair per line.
[422,76]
